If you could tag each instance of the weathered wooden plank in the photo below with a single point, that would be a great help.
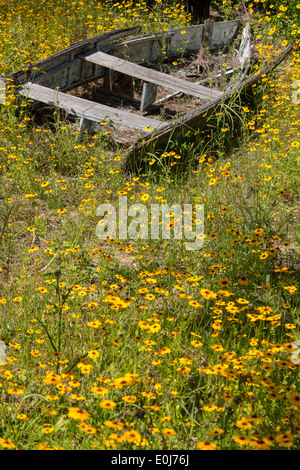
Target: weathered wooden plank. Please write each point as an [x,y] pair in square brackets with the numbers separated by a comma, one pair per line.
[244,52]
[243,57]
[119,116]
[49,96]
[152,76]
[197,119]
[86,109]
[148,95]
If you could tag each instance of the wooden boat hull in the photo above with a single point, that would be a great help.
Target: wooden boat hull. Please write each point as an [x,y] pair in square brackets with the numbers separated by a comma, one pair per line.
[48,80]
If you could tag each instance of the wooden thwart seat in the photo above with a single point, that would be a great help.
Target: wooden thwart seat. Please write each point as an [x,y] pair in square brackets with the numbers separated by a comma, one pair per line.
[85,109]
[152,76]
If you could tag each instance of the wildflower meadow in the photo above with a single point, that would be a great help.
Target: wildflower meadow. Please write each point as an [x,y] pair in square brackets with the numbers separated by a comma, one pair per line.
[139,343]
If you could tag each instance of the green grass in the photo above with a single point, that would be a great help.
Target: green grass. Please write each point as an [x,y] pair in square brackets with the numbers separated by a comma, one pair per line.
[141,344]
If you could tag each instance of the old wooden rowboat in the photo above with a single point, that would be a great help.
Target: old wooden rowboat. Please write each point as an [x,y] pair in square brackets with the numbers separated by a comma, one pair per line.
[137,56]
